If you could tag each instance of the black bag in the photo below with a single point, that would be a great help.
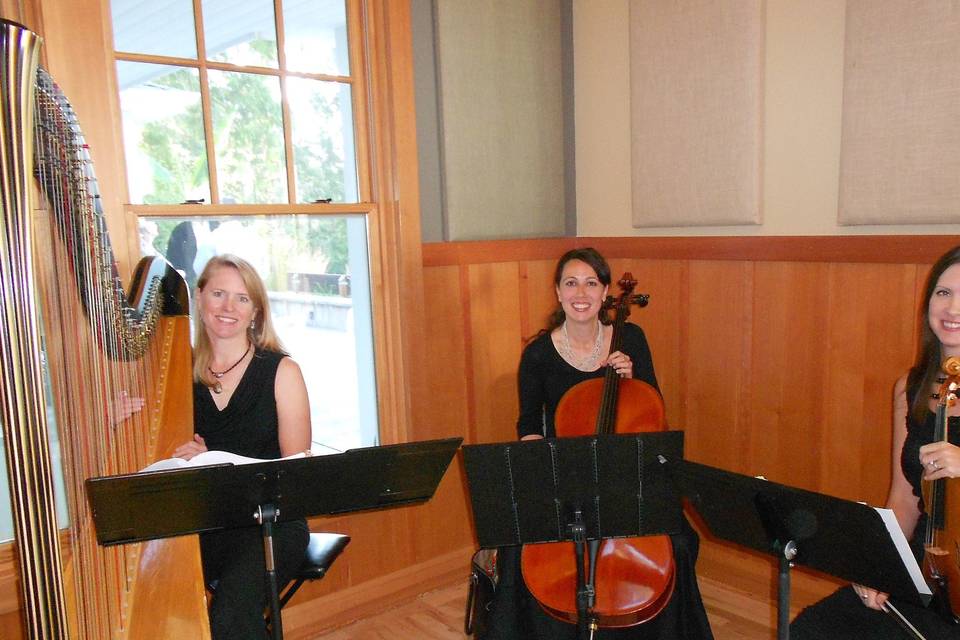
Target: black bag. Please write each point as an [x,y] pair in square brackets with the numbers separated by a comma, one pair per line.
[483,588]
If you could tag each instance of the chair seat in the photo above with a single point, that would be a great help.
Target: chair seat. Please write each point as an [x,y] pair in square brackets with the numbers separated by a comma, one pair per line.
[322,550]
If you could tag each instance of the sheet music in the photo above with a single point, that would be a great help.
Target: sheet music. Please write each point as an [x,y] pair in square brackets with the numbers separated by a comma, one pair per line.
[903,547]
[218,457]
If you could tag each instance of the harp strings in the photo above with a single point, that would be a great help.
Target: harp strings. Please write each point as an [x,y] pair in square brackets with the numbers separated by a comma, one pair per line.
[107,353]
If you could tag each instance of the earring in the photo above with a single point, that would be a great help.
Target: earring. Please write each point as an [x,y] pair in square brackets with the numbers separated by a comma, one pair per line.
[253,325]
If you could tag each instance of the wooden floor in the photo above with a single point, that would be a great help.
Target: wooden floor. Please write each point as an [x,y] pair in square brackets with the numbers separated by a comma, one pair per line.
[438,615]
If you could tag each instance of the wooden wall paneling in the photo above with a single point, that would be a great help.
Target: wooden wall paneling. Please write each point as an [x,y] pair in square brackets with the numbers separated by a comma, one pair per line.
[495,334]
[787,369]
[447,368]
[867,303]
[870,249]
[718,379]
[378,544]
[776,355]
[891,340]
[539,297]
[664,281]
[444,522]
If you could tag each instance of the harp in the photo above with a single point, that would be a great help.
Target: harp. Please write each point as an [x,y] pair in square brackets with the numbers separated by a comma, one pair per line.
[63,310]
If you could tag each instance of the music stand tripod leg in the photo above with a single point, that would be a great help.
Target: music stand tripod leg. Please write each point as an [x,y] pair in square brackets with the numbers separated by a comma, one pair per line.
[789,552]
[266,516]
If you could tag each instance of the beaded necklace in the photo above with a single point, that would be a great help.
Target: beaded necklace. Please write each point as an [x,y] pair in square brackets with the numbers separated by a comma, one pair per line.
[590,361]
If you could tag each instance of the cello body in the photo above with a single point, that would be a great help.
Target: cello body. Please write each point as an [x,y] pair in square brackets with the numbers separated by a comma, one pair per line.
[635,577]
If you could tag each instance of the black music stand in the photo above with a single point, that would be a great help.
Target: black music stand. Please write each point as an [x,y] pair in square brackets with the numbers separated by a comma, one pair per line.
[578,490]
[145,506]
[849,540]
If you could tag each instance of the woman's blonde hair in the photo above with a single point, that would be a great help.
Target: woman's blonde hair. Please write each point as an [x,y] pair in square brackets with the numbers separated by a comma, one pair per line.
[261,333]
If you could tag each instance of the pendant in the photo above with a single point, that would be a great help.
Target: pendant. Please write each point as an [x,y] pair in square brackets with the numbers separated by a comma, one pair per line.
[217,387]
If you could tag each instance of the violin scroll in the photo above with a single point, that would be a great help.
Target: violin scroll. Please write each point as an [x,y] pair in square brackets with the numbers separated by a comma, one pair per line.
[947,394]
[951,366]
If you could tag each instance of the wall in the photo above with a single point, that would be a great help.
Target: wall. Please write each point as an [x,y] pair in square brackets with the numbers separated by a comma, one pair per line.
[495,122]
[776,356]
[803,97]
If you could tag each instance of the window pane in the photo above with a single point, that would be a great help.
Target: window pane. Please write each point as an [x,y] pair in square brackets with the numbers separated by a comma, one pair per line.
[322,124]
[316,36]
[240,32]
[157,28]
[248,137]
[318,283]
[163,133]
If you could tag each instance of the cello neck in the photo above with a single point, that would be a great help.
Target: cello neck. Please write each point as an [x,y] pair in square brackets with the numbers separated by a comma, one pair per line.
[607,415]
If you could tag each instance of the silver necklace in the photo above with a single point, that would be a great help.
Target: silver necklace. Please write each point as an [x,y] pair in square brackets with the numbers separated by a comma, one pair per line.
[587,363]
[217,387]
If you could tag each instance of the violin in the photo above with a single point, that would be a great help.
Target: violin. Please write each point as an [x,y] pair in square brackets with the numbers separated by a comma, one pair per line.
[634,577]
[941,559]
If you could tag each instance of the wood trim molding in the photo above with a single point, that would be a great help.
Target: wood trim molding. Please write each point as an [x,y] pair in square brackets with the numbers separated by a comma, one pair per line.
[893,249]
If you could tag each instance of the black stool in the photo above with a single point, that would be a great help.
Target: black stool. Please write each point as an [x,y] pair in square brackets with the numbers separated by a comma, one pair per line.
[322,550]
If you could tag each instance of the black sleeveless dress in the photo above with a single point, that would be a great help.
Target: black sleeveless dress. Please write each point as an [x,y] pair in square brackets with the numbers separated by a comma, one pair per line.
[233,560]
[842,616]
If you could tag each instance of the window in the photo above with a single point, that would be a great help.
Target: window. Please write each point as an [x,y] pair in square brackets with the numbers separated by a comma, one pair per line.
[321,310]
[231,116]
[251,115]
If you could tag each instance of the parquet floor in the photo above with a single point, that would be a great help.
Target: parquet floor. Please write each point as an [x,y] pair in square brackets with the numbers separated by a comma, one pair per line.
[438,615]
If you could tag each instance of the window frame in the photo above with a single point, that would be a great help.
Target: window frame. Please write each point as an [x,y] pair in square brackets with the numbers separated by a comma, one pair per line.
[367,24]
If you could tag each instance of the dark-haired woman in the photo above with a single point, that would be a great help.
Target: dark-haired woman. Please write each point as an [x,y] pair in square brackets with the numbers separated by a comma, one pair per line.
[856,611]
[249,399]
[576,347]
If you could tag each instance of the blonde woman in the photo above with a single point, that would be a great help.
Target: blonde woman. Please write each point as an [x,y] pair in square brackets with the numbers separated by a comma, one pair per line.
[249,399]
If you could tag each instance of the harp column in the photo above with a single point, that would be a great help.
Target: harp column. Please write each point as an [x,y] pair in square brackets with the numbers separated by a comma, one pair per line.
[21,392]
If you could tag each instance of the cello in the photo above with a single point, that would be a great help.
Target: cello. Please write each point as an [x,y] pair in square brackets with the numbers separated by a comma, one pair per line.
[634,577]
[941,558]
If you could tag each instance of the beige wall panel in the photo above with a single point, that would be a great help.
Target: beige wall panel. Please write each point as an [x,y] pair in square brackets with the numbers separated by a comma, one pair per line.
[803,96]
[501,117]
[696,90]
[900,156]
[496,347]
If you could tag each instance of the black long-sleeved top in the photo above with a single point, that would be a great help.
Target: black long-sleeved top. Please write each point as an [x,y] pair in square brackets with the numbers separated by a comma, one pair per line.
[545,376]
